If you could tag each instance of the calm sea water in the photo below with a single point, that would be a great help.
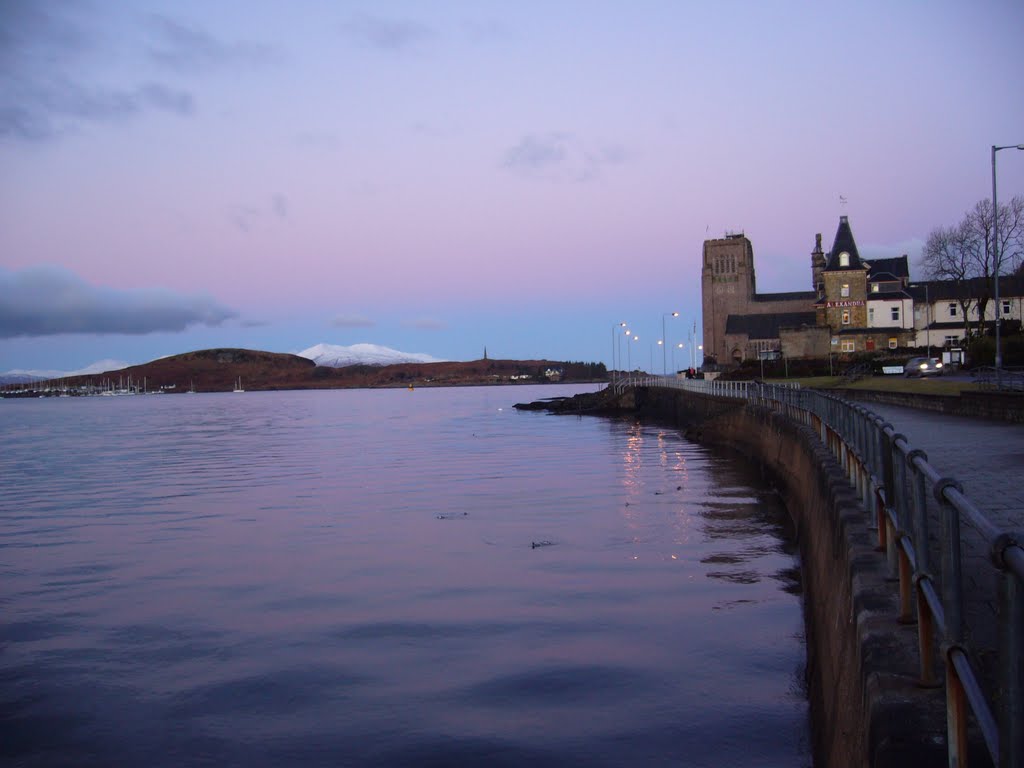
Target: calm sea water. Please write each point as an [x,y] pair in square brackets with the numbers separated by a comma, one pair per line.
[387,578]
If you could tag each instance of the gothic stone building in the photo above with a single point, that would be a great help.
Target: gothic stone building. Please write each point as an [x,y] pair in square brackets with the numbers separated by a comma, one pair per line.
[854,305]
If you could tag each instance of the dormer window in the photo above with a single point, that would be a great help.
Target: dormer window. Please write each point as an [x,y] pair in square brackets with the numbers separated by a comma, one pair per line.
[844,259]
[874,287]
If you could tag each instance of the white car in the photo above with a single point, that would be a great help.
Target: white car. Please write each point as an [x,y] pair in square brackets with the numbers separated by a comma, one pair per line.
[923,366]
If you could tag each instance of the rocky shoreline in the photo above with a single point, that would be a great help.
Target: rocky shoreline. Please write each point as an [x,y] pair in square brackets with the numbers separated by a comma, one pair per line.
[604,401]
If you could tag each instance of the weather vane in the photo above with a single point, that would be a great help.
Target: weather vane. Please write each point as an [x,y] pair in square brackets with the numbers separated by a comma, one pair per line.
[842,202]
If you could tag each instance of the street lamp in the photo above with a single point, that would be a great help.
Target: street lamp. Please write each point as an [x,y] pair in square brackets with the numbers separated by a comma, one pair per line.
[615,334]
[664,365]
[995,257]
[625,333]
[928,327]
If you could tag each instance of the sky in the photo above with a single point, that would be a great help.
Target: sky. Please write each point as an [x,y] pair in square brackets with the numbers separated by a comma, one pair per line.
[444,177]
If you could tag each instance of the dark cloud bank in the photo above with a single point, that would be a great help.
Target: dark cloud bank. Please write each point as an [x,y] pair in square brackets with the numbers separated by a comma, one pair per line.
[50,301]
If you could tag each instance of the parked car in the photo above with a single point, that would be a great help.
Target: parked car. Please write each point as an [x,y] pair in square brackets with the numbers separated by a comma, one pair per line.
[923,366]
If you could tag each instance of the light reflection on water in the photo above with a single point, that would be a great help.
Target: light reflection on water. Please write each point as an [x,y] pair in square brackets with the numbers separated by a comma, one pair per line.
[387,578]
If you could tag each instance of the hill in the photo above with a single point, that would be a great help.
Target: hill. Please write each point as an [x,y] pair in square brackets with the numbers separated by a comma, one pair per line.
[216,370]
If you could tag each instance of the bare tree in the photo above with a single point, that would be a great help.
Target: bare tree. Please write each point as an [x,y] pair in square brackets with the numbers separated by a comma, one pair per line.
[965,253]
[947,256]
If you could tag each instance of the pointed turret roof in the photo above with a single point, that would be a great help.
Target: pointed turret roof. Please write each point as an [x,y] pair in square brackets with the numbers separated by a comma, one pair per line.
[844,243]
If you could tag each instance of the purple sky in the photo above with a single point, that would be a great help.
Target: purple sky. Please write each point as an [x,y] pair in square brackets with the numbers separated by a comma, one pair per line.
[437,177]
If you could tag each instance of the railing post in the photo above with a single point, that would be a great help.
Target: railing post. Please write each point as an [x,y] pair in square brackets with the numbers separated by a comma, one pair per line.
[952,608]
[925,637]
[956,716]
[886,447]
[1011,650]
[952,585]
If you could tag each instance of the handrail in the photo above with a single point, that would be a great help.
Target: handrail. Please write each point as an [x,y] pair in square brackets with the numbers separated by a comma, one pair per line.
[895,484]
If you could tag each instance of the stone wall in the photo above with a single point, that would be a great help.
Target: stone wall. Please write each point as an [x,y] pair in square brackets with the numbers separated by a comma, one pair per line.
[805,342]
[867,709]
[998,406]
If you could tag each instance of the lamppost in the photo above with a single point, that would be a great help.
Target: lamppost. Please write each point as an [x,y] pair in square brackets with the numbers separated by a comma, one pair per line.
[677,346]
[626,334]
[928,319]
[664,365]
[615,336]
[995,258]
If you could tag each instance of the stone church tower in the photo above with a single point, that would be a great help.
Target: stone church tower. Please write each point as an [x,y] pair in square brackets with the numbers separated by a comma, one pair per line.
[727,278]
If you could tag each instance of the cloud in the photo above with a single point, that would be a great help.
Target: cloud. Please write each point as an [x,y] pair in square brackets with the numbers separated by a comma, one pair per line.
[46,109]
[386,34]
[42,53]
[426,324]
[353,321]
[187,48]
[559,156]
[245,216]
[46,301]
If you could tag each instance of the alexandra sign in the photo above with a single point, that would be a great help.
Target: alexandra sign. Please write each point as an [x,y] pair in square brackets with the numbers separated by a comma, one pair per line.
[847,303]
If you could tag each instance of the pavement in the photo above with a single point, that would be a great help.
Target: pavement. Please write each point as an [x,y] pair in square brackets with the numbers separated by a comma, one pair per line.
[987,458]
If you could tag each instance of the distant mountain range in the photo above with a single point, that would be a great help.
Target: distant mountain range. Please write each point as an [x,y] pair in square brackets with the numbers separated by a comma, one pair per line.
[334,356]
[328,355]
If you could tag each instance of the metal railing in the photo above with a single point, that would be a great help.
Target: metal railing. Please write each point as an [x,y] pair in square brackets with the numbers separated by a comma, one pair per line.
[896,486]
[1005,379]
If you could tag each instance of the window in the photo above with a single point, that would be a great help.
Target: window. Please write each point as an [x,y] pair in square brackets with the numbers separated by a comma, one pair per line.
[844,290]
[1006,306]
[895,313]
[874,287]
[871,314]
[952,309]
[949,341]
[892,342]
[847,346]
[844,259]
[846,317]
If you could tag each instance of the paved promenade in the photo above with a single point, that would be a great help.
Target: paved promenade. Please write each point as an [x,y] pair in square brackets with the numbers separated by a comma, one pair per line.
[987,458]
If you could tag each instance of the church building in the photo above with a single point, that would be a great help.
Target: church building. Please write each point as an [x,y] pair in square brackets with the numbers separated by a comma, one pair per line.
[853,305]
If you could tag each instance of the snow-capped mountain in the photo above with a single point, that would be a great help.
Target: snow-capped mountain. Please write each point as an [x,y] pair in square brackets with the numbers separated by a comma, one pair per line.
[20,376]
[334,356]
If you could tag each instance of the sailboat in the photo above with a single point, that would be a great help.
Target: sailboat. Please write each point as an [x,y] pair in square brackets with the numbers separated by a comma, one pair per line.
[238,385]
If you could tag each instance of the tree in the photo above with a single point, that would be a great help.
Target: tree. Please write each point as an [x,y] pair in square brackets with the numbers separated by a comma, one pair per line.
[964,253]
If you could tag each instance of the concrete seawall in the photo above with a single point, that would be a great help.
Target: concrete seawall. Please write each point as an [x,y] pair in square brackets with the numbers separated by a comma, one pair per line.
[867,708]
